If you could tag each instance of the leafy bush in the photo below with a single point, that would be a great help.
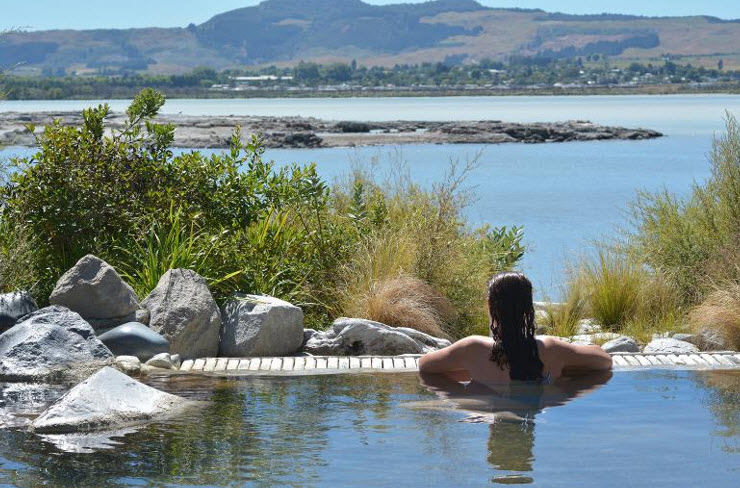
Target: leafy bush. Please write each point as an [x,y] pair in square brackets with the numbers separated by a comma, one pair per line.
[90,190]
[242,223]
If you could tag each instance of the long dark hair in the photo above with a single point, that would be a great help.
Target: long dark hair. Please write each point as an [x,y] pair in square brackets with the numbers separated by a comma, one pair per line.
[512,325]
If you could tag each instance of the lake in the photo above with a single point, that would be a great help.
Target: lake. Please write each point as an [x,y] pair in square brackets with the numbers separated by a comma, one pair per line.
[565,195]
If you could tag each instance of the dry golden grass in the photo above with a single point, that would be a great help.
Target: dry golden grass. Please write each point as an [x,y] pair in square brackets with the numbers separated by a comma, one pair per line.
[405,302]
[719,313]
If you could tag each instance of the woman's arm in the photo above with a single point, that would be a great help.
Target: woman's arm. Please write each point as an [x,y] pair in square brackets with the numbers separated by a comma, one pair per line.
[573,357]
[450,359]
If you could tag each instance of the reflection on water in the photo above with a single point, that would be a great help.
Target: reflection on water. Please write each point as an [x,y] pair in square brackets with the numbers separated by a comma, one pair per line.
[510,409]
[671,428]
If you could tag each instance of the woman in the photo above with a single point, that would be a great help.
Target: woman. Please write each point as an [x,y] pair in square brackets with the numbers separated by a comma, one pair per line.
[513,353]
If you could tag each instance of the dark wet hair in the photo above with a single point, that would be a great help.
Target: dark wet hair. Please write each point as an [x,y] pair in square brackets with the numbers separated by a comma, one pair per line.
[512,325]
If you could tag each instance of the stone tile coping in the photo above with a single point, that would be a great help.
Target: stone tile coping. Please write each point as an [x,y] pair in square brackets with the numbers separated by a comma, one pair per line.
[335,364]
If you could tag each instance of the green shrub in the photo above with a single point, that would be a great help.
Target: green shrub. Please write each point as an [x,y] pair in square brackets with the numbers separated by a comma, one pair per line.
[88,190]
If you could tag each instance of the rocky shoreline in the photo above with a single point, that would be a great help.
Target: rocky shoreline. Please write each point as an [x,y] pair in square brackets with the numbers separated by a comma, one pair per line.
[308,132]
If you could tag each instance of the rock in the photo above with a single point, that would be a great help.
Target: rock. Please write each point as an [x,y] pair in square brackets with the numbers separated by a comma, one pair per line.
[621,344]
[142,316]
[307,335]
[257,325]
[163,361]
[588,326]
[13,306]
[93,289]
[176,361]
[106,400]
[129,365]
[592,338]
[708,340]
[670,346]
[184,312]
[134,339]
[355,337]
[51,344]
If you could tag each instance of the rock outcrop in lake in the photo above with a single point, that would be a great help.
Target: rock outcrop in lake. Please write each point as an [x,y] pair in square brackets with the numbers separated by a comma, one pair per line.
[308,132]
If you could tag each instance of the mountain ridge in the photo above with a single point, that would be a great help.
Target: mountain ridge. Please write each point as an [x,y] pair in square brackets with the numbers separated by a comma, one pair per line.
[285,32]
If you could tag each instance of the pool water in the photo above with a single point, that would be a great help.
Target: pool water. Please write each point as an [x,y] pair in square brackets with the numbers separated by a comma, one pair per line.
[639,428]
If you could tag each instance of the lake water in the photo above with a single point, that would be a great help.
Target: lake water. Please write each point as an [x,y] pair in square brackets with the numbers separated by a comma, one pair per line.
[565,195]
[647,428]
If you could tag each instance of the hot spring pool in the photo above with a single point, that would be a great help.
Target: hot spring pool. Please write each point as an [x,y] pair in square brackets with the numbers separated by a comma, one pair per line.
[639,428]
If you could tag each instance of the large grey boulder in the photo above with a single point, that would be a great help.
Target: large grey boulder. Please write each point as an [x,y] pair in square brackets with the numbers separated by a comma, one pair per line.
[621,344]
[184,312]
[669,346]
[107,400]
[258,325]
[93,289]
[134,339]
[51,344]
[356,337]
[13,306]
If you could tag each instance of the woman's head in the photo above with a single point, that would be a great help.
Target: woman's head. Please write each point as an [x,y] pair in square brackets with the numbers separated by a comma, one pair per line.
[512,325]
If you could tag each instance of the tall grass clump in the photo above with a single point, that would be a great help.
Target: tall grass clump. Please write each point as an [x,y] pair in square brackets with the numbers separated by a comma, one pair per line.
[621,294]
[563,319]
[408,235]
[614,287]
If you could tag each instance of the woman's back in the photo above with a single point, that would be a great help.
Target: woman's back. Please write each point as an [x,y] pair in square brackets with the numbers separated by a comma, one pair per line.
[470,359]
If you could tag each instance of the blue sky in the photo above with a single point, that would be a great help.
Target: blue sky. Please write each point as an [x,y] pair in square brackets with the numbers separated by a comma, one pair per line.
[86,14]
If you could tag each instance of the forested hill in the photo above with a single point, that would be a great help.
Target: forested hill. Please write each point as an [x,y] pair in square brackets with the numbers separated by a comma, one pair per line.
[453,31]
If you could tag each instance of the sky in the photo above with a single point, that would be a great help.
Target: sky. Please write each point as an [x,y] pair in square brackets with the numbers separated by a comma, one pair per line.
[91,14]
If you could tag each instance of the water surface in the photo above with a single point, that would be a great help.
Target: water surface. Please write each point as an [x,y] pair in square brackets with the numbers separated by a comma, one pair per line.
[650,428]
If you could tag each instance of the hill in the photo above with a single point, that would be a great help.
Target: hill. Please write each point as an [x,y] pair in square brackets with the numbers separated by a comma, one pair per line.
[284,32]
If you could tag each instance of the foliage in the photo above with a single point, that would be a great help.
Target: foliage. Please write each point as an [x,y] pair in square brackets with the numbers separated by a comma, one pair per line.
[89,190]
[405,232]
[621,294]
[614,285]
[563,319]
[405,302]
[242,223]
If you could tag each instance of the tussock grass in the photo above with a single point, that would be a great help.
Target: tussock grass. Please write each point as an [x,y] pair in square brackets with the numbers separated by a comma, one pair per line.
[720,314]
[406,302]
[563,319]
[622,295]
[419,239]
[614,284]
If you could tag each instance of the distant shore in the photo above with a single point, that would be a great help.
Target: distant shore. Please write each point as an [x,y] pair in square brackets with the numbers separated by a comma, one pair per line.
[413,92]
[307,132]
